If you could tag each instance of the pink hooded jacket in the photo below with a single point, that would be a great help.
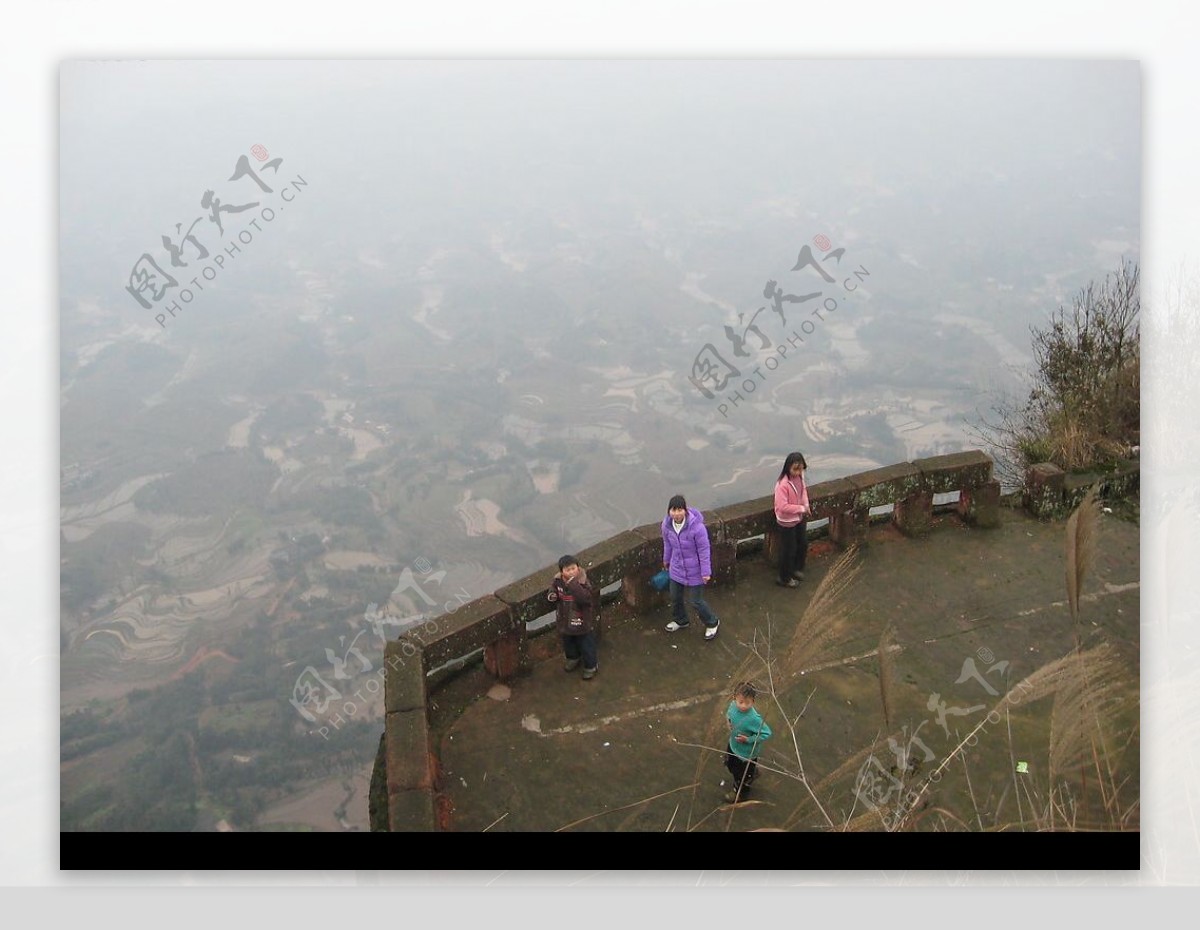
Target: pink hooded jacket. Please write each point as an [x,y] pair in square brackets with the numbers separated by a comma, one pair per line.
[791,501]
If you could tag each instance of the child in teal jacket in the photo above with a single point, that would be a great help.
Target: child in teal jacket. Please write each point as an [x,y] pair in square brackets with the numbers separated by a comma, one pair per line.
[747,733]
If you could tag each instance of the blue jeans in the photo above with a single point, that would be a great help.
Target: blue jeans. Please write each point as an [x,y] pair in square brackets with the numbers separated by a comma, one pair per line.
[575,647]
[695,597]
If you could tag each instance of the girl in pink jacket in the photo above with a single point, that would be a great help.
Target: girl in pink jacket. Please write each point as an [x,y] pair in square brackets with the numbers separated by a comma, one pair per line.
[791,515]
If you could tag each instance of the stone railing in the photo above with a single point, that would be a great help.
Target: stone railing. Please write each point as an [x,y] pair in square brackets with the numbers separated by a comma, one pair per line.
[404,788]
[1051,492]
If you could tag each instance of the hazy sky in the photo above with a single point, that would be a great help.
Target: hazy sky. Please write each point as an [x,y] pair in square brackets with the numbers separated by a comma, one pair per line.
[999,153]
[983,192]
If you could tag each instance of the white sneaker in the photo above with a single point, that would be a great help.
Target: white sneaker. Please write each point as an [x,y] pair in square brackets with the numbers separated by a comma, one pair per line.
[674,627]
[710,632]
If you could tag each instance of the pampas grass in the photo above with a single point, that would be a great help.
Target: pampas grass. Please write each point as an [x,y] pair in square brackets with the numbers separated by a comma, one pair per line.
[1093,692]
[887,673]
[824,623]
[1083,720]
[1081,552]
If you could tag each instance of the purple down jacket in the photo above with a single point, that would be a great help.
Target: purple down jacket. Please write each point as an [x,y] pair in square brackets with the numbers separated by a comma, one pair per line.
[687,554]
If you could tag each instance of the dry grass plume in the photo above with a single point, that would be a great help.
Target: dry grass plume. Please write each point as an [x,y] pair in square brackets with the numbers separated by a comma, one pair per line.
[1081,551]
[887,673]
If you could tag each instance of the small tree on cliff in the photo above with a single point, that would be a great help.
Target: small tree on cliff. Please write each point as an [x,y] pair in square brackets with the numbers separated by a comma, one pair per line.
[1083,408]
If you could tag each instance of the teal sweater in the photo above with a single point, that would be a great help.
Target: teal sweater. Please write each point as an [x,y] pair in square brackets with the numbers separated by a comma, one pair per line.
[752,726]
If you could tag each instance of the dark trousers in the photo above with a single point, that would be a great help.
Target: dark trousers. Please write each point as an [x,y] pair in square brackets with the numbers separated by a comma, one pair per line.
[575,647]
[793,549]
[742,770]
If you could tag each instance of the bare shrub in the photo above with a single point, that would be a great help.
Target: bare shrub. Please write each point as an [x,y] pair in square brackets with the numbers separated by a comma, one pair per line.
[1083,409]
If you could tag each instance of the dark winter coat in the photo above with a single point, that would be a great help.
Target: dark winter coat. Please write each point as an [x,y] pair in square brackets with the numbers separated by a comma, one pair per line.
[575,603]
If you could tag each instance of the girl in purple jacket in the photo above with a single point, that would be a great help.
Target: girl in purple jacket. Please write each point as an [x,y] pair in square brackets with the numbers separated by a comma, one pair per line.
[688,556]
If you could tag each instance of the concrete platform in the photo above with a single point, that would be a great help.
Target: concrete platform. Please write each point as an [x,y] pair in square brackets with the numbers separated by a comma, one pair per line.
[638,747]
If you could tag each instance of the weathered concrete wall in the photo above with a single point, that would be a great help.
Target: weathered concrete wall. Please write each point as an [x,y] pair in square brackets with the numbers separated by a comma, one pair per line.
[404,798]
[1050,492]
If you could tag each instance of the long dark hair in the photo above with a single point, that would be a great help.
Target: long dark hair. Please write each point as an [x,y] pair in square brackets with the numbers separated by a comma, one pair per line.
[792,459]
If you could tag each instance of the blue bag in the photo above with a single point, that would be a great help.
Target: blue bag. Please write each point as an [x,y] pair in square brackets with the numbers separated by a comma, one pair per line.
[661,581]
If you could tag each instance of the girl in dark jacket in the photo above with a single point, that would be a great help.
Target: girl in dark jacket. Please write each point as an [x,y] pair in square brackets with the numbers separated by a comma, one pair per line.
[688,556]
